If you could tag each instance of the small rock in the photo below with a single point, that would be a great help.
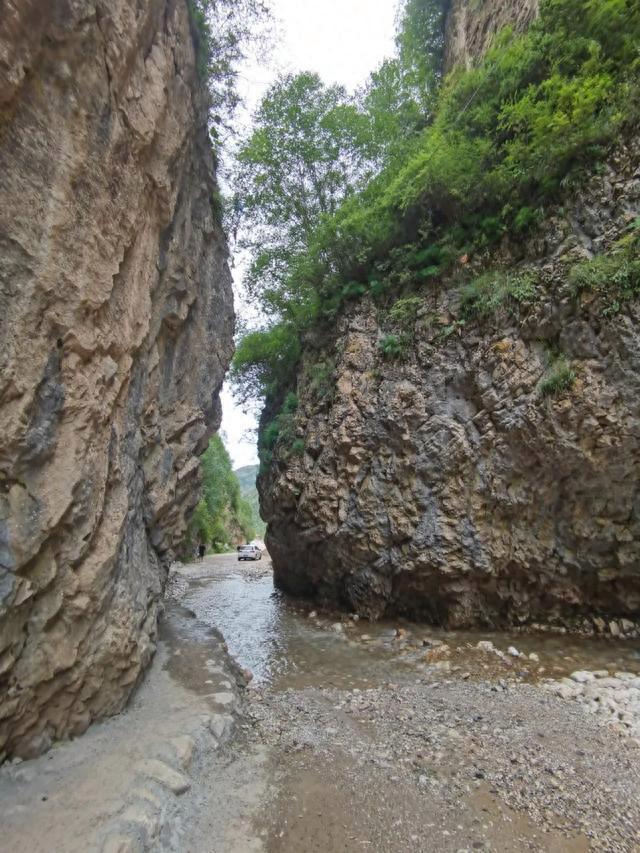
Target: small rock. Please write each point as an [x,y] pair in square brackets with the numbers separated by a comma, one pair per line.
[513,652]
[614,629]
[485,646]
[122,844]
[437,653]
[219,724]
[184,747]
[337,628]
[225,699]
[534,657]
[582,676]
[145,819]
[164,775]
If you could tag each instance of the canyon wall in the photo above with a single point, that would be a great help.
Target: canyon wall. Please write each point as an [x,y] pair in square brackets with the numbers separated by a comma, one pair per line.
[116,328]
[447,484]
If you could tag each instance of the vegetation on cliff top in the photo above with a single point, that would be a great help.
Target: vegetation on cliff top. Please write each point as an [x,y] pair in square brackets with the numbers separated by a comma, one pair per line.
[247,478]
[464,161]
[223,517]
[223,31]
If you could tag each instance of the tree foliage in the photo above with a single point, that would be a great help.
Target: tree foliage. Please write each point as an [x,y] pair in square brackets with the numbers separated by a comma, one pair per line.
[223,31]
[458,163]
[222,517]
[306,152]
[399,97]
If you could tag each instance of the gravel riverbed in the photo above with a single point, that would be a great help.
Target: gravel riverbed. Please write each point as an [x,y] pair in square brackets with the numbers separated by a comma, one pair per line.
[346,736]
[565,778]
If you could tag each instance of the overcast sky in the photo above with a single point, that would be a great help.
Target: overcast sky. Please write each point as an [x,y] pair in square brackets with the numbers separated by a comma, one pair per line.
[343,40]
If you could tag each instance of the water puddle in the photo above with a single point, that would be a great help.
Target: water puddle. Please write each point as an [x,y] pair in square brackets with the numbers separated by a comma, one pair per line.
[286,643]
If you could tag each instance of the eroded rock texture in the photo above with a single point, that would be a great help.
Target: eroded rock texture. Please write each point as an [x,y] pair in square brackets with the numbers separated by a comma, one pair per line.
[115,331]
[447,486]
[471,26]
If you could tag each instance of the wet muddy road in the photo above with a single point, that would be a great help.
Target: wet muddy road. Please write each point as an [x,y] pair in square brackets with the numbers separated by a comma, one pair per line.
[396,737]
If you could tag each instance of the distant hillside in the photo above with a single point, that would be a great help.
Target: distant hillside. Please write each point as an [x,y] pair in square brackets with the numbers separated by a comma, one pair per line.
[247,479]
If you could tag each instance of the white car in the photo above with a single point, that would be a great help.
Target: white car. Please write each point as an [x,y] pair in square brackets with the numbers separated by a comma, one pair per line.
[249,552]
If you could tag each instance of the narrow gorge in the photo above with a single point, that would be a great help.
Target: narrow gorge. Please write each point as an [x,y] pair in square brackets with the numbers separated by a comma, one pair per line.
[429,214]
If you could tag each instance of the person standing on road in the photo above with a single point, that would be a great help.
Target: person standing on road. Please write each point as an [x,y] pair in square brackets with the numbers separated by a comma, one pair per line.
[201,551]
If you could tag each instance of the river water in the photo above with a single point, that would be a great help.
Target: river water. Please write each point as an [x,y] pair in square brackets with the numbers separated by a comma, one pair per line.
[287,643]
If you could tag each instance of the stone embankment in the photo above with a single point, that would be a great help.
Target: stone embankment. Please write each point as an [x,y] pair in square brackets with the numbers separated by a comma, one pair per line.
[131,783]
[116,323]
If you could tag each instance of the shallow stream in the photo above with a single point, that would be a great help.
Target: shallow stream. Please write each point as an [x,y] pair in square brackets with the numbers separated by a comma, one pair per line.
[284,644]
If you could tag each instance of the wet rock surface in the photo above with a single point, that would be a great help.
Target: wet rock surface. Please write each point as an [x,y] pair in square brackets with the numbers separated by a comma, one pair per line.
[130,782]
[116,321]
[444,485]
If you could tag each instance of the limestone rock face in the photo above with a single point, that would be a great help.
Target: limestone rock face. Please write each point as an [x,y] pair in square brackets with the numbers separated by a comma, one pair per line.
[116,322]
[446,486]
[472,24]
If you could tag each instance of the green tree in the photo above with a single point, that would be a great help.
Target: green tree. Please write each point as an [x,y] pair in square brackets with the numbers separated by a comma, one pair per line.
[223,32]
[399,97]
[305,154]
[506,138]
[222,517]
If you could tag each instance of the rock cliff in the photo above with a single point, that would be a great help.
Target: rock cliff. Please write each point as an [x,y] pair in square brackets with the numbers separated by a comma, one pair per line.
[116,329]
[490,474]
[470,26]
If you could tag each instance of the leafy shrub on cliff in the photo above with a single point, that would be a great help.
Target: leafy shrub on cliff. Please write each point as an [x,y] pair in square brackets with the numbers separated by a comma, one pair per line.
[559,378]
[222,31]
[507,133]
[496,289]
[393,347]
[281,431]
[404,311]
[317,380]
[614,276]
[265,360]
